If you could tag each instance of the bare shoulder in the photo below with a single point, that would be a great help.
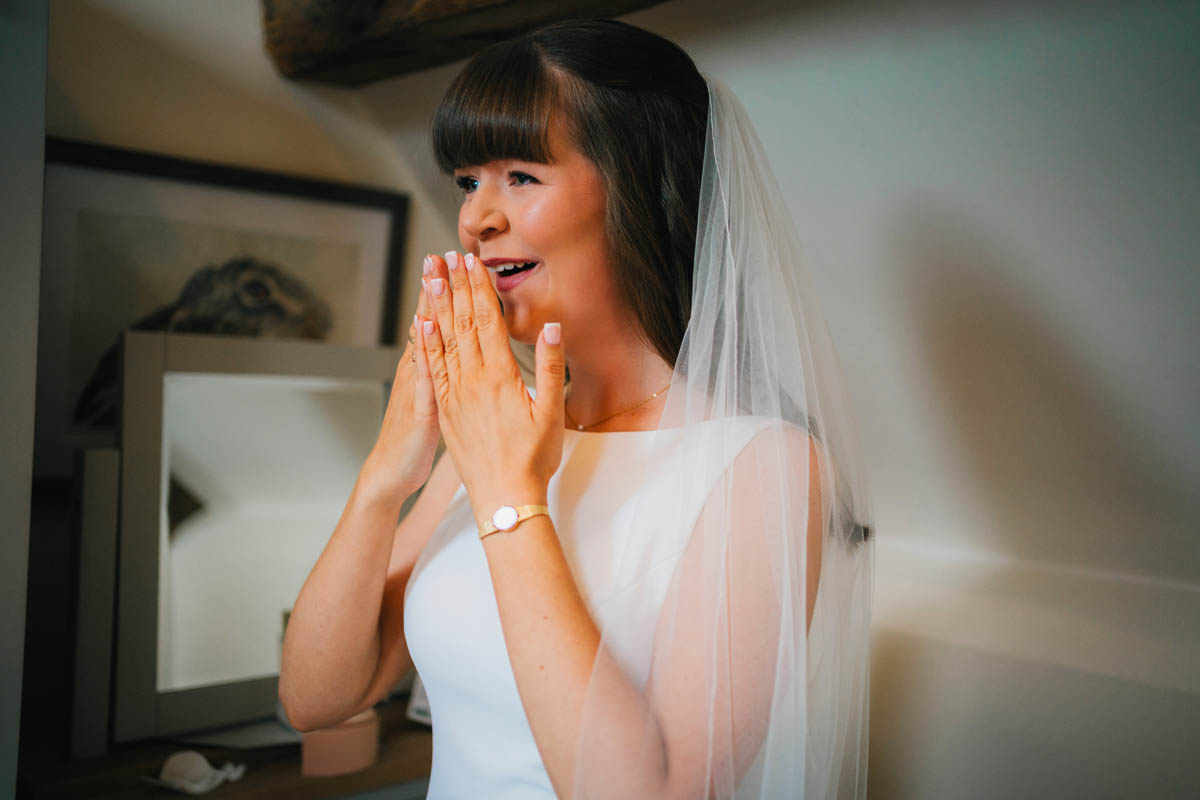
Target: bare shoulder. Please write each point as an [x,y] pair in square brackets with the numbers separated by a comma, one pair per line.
[795,444]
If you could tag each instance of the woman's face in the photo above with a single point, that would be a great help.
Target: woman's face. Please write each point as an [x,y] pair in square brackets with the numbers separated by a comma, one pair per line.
[550,216]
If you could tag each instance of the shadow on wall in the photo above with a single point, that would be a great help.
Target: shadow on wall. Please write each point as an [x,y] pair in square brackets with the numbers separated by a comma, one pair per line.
[951,722]
[237,114]
[404,108]
[1062,473]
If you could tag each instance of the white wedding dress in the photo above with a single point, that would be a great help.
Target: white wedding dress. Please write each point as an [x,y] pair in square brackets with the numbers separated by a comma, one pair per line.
[482,744]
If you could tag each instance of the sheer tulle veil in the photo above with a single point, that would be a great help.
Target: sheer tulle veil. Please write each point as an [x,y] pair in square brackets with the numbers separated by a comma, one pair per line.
[762,638]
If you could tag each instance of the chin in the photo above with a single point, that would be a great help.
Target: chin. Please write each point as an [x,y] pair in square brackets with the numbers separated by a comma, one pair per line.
[520,334]
[522,329]
[524,337]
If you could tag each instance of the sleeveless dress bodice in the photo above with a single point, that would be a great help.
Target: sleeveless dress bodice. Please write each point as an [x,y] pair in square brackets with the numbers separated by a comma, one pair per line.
[482,743]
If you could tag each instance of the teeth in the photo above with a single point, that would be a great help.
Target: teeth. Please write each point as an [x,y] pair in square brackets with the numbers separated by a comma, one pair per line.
[503,268]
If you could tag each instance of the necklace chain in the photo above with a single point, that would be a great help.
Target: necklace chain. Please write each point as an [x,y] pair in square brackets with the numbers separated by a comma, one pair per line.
[610,416]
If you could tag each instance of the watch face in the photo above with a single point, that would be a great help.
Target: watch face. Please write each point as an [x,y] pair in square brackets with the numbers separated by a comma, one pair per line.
[505,517]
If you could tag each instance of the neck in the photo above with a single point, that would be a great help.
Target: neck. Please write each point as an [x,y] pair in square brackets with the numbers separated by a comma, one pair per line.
[608,375]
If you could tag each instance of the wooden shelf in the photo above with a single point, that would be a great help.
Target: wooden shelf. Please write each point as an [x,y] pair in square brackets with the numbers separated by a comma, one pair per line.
[405,753]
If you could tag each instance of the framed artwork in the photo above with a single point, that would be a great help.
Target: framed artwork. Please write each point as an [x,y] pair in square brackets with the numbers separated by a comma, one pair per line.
[137,241]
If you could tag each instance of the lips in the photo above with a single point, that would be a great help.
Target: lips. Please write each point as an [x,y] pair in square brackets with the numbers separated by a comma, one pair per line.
[510,271]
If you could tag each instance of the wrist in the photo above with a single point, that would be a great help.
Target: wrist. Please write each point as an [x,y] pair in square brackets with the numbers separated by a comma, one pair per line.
[510,494]
[373,489]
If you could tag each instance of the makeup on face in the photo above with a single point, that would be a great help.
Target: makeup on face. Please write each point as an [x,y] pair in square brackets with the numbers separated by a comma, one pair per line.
[539,229]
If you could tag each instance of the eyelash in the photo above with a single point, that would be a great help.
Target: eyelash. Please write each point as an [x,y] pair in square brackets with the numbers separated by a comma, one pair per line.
[467,184]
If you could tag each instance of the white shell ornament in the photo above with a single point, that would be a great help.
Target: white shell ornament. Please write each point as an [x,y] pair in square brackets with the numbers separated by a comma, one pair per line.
[190,773]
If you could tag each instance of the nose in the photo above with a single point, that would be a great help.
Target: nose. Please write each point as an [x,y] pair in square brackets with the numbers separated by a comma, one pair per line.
[481,215]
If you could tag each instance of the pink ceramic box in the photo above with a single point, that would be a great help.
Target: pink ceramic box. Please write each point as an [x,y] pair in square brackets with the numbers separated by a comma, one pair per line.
[348,747]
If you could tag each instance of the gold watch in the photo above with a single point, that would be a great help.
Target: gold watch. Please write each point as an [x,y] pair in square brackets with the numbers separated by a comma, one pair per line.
[505,518]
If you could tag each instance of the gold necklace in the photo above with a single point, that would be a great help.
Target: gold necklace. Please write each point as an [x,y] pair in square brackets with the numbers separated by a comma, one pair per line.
[610,416]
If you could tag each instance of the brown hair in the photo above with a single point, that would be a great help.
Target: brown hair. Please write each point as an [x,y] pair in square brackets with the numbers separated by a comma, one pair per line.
[636,106]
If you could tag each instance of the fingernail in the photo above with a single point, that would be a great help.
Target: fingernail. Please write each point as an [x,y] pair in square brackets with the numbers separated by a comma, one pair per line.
[437,286]
[415,320]
[470,261]
[552,332]
[429,327]
[452,260]
[427,267]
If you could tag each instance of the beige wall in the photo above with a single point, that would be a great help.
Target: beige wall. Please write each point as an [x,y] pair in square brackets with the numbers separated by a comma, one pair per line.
[998,207]
[998,203]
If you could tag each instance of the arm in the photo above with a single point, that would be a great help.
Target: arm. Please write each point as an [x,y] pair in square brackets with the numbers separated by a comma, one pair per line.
[411,537]
[343,638]
[344,648]
[657,743]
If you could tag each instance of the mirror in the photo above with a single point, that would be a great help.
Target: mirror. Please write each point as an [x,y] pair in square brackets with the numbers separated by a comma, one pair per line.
[237,455]
[256,470]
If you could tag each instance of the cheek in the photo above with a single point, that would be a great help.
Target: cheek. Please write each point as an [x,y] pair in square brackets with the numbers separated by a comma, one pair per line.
[542,222]
[465,239]
[568,223]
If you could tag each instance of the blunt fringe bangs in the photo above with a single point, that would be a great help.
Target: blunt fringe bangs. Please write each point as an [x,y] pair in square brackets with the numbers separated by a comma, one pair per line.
[497,108]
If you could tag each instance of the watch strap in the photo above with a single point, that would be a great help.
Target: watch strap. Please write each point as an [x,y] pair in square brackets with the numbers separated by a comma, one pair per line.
[505,518]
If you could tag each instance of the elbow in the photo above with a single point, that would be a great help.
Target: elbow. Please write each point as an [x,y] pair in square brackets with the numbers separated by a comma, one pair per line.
[295,701]
[300,712]
[292,709]
[306,716]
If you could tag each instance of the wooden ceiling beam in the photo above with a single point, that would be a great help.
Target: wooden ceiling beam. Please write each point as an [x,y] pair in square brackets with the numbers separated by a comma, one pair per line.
[355,42]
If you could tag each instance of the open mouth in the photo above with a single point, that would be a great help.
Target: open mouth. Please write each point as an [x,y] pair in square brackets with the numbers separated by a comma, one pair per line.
[509,274]
[513,269]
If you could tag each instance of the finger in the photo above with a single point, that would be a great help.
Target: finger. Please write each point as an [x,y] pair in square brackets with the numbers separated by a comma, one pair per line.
[424,401]
[434,267]
[550,375]
[409,355]
[442,306]
[410,351]
[422,300]
[490,329]
[464,313]
[432,344]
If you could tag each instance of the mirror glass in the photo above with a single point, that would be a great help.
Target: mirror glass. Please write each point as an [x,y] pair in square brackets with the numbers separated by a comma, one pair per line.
[256,471]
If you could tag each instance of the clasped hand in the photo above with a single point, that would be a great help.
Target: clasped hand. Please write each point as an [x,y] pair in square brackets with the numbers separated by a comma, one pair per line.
[504,444]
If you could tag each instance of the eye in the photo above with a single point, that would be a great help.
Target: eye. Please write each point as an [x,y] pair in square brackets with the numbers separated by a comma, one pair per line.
[521,178]
[466,183]
[256,290]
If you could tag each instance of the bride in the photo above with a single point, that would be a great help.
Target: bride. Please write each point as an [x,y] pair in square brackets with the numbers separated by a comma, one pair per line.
[649,575]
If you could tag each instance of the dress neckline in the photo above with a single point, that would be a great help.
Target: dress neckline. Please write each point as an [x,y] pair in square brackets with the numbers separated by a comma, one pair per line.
[578,432]
[674,428]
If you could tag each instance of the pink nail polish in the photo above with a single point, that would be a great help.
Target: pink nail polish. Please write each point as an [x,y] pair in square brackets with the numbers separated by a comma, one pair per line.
[470,261]
[427,267]
[452,260]
[552,332]
[428,327]
[438,286]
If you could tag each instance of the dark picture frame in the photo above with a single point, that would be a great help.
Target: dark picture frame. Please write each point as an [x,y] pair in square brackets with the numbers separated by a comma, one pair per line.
[126,231]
